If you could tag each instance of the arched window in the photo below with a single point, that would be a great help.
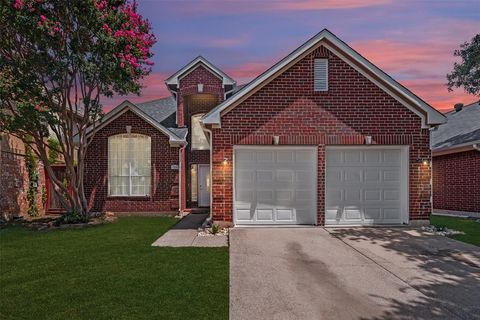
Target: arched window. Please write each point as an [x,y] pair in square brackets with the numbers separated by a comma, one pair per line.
[199,139]
[129,165]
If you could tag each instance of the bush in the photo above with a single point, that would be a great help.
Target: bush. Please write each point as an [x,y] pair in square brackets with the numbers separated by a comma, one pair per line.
[71,217]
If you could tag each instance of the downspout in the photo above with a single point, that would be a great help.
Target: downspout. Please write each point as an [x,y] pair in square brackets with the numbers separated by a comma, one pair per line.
[211,165]
[180,179]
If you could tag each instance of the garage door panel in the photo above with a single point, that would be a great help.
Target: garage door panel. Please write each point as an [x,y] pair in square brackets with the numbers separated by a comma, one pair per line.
[353,213]
[352,157]
[373,157]
[283,187]
[391,157]
[373,213]
[285,215]
[363,185]
[244,214]
[391,174]
[265,156]
[264,214]
[285,176]
[264,176]
[284,197]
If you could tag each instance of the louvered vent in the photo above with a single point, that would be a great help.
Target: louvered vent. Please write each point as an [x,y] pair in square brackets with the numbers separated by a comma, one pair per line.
[321,75]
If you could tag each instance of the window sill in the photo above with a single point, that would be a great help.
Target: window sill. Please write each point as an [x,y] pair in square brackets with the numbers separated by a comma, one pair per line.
[128,197]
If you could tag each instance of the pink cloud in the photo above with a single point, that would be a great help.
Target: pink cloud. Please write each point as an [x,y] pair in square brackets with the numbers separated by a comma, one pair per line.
[154,88]
[226,42]
[240,7]
[421,67]
[326,4]
[246,72]
[436,94]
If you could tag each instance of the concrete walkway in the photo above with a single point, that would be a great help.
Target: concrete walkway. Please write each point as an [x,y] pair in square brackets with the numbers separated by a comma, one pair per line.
[310,273]
[185,234]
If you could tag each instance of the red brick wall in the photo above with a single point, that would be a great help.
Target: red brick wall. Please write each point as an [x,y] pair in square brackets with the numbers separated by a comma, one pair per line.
[163,177]
[189,85]
[14,182]
[352,108]
[190,103]
[456,181]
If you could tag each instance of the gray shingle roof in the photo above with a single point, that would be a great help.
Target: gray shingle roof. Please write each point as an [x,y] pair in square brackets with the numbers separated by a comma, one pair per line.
[164,111]
[159,109]
[462,127]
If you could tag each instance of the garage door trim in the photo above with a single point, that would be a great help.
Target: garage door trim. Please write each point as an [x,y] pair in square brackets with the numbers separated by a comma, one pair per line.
[405,175]
[280,147]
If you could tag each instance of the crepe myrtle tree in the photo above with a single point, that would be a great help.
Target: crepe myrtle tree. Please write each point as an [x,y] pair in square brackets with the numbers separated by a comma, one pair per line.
[58,58]
[466,74]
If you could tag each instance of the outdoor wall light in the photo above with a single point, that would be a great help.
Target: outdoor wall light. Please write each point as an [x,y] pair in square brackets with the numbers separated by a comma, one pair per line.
[225,161]
[368,139]
[276,140]
[425,162]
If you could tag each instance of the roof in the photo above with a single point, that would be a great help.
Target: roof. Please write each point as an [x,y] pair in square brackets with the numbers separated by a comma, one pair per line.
[175,78]
[160,113]
[462,128]
[429,115]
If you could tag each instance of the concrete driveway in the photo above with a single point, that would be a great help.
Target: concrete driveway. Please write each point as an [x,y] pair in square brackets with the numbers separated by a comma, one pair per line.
[358,273]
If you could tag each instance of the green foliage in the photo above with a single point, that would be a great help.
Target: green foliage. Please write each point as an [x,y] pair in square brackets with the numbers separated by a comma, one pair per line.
[31,163]
[215,229]
[469,227]
[53,150]
[71,217]
[58,58]
[466,74]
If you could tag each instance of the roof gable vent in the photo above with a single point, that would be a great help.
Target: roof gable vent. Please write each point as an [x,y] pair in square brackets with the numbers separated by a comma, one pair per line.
[320,75]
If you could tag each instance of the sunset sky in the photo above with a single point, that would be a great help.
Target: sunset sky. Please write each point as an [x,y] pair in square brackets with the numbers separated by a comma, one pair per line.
[412,40]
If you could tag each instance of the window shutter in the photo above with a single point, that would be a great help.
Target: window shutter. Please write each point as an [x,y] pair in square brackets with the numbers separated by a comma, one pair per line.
[321,75]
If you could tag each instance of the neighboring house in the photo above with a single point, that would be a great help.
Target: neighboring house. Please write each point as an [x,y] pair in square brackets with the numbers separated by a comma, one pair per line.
[456,160]
[322,137]
[14,180]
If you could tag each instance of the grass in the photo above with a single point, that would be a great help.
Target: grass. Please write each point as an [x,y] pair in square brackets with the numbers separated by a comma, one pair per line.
[470,227]
[109,272]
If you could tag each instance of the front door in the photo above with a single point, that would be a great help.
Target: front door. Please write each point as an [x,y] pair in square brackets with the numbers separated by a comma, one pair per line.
[203,185]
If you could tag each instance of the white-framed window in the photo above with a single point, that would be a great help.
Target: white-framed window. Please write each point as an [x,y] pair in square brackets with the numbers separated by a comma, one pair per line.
[129,165]
[199,139]
[320,75]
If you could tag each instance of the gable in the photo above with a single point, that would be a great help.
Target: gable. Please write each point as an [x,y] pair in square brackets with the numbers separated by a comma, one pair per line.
[290,105]
[174,79]
[200,74]
[428,114]
[175,137]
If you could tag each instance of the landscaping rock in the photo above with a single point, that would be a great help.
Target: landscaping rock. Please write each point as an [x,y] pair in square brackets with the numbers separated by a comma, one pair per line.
[441,231]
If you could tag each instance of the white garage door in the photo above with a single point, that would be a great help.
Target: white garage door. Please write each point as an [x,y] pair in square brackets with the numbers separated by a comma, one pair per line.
[366,185]
[275,185]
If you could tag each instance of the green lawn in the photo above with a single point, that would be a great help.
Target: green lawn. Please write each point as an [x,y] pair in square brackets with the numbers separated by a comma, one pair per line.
[470,227]
[109,272]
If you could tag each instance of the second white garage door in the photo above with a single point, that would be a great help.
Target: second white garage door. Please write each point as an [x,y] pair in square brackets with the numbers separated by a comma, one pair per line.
[275,185]
[366,185]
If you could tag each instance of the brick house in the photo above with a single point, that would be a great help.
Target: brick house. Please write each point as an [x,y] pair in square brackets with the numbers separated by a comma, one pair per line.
[321,137]
[456,161]
[15,182]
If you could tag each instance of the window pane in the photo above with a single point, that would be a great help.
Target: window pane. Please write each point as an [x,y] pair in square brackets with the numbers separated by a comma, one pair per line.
[193,179]
[129,155]
[199,139]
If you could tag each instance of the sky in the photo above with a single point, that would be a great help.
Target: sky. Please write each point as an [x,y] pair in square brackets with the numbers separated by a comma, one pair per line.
[412,40]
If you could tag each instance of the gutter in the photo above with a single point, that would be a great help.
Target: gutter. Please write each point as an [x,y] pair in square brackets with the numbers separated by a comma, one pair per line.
[474,145]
